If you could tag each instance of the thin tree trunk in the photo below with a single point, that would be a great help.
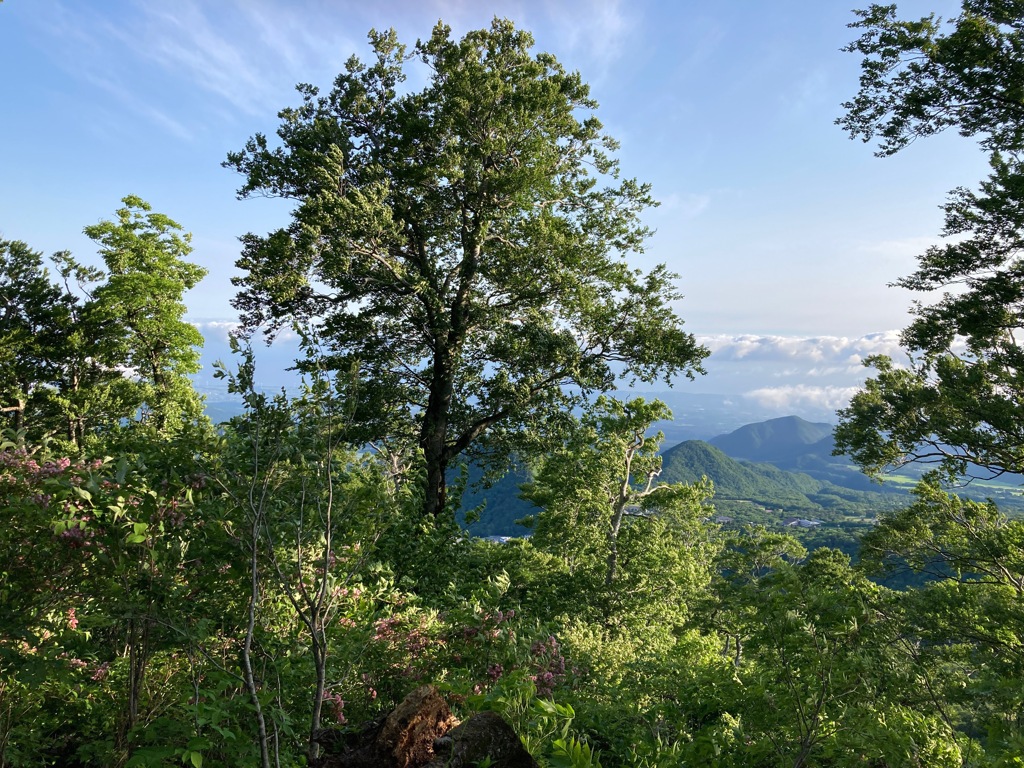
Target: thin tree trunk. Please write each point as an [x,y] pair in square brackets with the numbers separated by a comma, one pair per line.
[613,542]
[320,662]
[250,631]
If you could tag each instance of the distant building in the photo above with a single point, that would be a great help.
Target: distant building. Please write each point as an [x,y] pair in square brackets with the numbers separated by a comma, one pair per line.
[799,522]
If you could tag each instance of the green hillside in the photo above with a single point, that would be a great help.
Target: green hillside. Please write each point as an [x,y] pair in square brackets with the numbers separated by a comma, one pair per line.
[764,483]
[748,492]
[796,445]
[493,510]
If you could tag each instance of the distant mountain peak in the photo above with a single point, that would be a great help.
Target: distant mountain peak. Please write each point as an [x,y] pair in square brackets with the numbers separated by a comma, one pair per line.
[773,440]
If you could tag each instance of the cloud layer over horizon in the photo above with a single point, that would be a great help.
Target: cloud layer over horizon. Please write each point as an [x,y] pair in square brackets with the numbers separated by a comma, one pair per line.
[805,375]
[812,376]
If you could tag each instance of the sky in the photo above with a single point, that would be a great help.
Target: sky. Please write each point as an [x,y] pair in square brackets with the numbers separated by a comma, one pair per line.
[785,233]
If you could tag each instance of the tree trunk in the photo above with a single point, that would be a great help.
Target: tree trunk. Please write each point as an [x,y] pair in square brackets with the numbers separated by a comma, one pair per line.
[250,631]
[319,648]
[19,414]
[618,510]
[138,656]
[433,437]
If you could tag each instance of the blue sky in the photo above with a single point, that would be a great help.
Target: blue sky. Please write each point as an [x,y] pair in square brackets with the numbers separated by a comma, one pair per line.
[785,232]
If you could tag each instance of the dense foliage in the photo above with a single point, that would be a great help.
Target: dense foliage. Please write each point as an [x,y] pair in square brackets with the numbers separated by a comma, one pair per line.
[173,594]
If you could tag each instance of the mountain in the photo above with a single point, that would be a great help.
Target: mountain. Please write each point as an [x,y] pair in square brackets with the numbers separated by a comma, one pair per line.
[797,445]
[778,441]
[745,491]
[762,483]
[501,505]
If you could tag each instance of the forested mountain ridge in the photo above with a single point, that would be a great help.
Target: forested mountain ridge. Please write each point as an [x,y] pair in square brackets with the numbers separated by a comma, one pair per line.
[747,491]
[794,444]
[689,461]
[777,441]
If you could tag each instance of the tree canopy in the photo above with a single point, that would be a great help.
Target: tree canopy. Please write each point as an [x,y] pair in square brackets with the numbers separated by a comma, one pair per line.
[146,279]
[95,350]
[32,314]
[958,404]
[461,246]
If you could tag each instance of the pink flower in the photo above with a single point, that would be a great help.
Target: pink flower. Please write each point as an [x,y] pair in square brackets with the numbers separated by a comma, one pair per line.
[72,619]
[337,704]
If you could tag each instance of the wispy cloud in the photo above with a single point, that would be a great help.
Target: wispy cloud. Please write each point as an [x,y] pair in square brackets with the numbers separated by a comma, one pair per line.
[597,31]
[243,57]
[688,205]
[246,54]
[181,38]
[808,92]
[139,105]
[198,58]
[904,250]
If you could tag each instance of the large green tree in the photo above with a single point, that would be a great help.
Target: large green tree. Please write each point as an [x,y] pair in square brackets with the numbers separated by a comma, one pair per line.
[965,626]
[461,245]
[140,305]
[958,404]
[93,349]
[57,375]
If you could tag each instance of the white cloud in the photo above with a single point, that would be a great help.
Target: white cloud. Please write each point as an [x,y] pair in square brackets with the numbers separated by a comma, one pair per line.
[247,56]
[802,397]
[139,106]
[822,351]
[180,38]
[904,247]
[218,331]
[811,90]
[904,251]
[598,30]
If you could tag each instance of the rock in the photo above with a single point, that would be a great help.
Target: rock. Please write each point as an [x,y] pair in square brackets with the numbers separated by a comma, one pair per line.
[405,739]
[483,736]
[348,749]
[409,733]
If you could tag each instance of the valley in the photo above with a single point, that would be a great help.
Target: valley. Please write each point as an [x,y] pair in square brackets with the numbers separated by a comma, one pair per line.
[772,473]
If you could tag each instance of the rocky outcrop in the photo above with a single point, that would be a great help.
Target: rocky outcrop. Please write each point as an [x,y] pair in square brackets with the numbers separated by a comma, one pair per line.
[483,736]
[421,732]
